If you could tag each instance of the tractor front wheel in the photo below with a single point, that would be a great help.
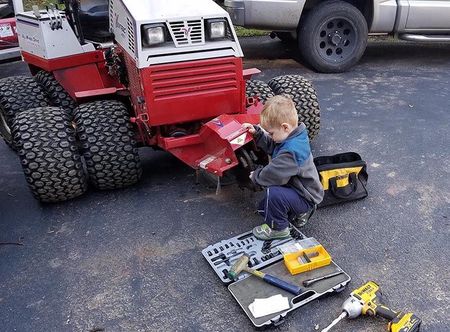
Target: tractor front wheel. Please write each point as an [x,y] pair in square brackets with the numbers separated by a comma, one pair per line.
[17,94]
[56,94]
[305,99]
[258,89]
[107,144]
[49,154]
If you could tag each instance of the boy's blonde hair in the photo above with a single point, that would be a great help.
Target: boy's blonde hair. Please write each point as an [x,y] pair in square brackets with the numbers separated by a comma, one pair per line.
[278,110]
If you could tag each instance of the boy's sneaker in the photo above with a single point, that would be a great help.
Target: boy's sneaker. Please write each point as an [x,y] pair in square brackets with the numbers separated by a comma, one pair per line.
[264,232]
[302,219]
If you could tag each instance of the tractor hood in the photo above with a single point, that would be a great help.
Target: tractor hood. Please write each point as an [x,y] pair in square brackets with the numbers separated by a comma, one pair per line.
[185,27]
[172,9]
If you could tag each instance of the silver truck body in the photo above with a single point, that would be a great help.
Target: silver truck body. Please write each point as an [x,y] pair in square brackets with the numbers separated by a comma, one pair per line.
[389,16]
[332,34]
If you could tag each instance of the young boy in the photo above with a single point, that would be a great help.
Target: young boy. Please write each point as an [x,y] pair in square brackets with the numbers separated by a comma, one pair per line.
[291,179]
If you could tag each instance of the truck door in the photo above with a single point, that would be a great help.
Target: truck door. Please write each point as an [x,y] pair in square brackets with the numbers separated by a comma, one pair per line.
[431,15]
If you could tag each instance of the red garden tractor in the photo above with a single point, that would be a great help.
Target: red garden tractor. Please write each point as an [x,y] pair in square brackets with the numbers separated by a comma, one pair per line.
[109,77]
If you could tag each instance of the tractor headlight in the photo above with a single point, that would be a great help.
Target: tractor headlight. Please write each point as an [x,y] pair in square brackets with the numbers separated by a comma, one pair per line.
[153,34]
[217,28]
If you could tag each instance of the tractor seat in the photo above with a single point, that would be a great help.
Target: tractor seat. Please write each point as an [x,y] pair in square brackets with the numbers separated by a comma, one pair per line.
[94,20]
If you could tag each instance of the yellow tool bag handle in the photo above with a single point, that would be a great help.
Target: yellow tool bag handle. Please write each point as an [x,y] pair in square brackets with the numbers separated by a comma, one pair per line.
[344,192]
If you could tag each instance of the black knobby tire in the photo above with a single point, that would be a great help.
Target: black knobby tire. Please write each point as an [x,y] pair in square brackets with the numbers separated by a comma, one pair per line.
[49,154]
[55,92]
[17,94]
[333,36]
[107,144]
[258,89]
[305,99]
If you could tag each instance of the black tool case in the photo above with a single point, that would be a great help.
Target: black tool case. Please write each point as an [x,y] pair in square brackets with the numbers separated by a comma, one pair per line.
[267,257]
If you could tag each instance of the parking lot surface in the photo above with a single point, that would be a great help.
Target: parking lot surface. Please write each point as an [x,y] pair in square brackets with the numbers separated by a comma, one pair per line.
[129,260]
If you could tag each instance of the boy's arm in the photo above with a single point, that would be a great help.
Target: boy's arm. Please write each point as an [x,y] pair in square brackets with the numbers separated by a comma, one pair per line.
[278,172]
[263,140]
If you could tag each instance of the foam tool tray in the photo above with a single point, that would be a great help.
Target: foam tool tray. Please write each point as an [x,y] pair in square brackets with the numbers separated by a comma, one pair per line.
[223,254]
[266,256]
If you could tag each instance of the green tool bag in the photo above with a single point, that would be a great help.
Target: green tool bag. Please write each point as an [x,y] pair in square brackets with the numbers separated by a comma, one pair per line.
[343,177]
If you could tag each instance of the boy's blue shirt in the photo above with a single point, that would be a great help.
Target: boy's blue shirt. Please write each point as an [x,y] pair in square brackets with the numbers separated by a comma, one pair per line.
[292,164]
[297,144]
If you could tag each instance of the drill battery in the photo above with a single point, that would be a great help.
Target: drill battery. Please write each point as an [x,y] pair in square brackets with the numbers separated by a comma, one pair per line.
[405,323]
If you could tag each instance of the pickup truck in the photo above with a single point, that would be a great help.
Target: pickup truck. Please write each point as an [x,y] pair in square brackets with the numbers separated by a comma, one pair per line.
[332,34]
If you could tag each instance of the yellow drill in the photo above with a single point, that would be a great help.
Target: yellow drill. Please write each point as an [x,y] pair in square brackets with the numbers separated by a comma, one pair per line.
[366,300]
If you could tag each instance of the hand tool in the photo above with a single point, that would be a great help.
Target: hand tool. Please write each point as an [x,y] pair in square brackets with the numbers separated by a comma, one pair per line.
[228,258]
[309,282]
[242,265]
[269,245]
[366,300]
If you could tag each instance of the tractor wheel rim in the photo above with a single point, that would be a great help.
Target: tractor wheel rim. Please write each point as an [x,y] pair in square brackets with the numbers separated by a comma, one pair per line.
[336,40]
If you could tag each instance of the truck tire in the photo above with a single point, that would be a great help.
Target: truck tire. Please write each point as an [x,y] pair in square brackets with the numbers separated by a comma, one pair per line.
[49,154]
[305,98]
[333,36]
[55,92]
[259,89]
[17,94]
[107,144]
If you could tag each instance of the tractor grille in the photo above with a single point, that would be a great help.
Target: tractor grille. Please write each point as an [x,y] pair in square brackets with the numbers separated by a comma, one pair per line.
[194,80]
[131,41]
[187,33]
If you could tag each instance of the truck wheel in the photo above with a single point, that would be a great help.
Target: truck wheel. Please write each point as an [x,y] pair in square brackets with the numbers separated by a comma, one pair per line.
[17,94]
[56,94]
[107,144]
[333,36]
[49,154]
[305,98]
[259,89]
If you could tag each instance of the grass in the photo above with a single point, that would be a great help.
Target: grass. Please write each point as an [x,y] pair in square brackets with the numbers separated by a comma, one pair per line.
[242,32]
[28,4]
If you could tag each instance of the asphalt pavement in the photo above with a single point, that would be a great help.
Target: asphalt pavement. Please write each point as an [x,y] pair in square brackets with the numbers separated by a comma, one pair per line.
[129,260]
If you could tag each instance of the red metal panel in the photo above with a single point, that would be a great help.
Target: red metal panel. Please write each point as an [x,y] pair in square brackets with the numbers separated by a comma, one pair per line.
[81,75]
[64,62]
[213,148]
[248,73]
[81,78]
[194,90]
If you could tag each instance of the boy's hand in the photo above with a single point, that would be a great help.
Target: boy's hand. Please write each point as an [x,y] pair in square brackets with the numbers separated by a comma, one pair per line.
[250,176]
[249,127]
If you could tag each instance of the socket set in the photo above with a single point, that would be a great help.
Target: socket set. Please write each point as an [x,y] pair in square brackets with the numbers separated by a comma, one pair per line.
[223,254]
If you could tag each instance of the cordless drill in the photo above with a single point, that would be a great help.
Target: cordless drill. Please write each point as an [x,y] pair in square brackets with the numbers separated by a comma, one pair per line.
[366,300]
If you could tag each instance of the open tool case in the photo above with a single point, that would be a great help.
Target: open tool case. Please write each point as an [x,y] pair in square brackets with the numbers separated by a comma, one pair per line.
[267,257]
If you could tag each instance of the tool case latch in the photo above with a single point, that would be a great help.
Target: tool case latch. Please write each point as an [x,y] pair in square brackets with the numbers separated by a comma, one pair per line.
[278,322]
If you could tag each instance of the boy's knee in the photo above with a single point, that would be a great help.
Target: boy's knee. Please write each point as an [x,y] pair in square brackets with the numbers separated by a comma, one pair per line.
[275,194]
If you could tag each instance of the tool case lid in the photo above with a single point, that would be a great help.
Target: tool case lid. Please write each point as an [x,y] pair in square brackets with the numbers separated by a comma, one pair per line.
[246,290]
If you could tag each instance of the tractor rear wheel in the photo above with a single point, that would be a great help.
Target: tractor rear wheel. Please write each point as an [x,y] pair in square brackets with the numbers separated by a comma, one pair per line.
[49,154]
[305,98]
[17,94]
[107,144]
[56,94]
[259,89]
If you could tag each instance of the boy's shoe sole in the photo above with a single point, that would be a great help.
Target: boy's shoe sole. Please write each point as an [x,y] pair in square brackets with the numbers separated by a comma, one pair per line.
[264,232]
